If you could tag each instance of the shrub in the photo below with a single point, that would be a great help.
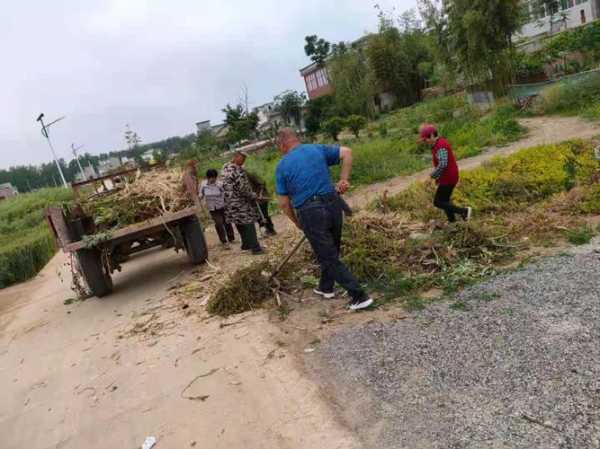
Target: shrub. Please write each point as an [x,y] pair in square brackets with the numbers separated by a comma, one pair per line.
[355,123]
[576,96]
[333,127]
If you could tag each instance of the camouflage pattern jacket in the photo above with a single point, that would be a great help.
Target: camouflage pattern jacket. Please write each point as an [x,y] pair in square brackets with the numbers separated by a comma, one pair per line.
[240,199]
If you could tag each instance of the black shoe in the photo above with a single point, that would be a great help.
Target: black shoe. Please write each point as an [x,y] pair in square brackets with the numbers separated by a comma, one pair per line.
[359,304]
[258,252]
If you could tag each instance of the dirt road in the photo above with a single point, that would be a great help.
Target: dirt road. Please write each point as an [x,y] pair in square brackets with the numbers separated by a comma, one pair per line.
[108,373]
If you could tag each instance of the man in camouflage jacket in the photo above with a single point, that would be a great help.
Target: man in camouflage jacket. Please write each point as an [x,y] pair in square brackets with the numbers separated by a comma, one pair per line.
[240,202]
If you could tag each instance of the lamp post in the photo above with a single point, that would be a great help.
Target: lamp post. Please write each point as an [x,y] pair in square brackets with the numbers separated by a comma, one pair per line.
[47,136]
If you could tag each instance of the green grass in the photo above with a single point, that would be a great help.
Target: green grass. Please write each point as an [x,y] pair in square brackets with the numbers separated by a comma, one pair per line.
[580,236]
[25,241]
[538,196]
[379,156]
[576,97]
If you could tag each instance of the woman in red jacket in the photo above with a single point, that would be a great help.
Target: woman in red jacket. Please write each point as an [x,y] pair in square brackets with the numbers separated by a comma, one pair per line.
[445,173]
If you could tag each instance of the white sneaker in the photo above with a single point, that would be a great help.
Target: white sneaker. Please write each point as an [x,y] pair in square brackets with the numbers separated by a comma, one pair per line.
[323,294]
[360,304]
[469,213]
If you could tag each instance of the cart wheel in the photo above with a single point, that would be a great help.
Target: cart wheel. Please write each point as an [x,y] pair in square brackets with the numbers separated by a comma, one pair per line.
[193,238]
[97,279]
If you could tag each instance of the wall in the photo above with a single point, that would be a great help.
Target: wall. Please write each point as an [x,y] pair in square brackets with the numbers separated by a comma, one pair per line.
[573,20]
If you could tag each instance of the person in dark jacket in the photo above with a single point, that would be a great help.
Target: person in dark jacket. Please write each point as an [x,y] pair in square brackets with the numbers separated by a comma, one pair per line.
[240,202]
[260,188]
[212,192]
[445,173]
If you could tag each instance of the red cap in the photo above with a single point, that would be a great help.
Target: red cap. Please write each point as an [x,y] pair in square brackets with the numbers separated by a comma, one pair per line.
[425,131]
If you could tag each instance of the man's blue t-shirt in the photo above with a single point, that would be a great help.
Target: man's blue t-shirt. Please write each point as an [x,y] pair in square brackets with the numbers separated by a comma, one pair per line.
[304,172]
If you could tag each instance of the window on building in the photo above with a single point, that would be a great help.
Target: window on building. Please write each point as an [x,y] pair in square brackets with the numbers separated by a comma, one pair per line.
[583,18]
[321,78]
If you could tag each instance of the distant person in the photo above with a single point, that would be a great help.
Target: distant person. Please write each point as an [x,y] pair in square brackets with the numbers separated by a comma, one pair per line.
[263,197]
[310,200]
[445,173]
[240,202]
[212,192]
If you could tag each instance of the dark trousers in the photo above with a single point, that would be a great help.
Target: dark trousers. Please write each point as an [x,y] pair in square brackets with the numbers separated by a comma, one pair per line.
[249,237]
[265,221]
[442,201]
[322,222]
[224,229]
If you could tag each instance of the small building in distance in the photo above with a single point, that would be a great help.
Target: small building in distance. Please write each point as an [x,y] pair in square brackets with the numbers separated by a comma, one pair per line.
[105,166]
[203,126]
[316,79]
[7,191]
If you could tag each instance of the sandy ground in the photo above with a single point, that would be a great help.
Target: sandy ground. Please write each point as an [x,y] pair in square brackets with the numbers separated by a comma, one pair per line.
[108,373]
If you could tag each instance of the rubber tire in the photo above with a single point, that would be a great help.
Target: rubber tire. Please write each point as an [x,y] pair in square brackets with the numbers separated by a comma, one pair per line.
[99,282]
[195,243]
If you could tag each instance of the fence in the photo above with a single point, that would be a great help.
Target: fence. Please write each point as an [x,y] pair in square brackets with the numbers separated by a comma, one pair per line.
[523,93]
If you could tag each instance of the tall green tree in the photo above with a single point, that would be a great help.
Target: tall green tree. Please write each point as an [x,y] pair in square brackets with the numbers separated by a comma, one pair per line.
[290,104]
[397,55]
[476,36]
[352,81]
[317,49]
[242,124]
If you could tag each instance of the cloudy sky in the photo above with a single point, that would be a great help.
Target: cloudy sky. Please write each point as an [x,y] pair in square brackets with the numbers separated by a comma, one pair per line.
[159,65]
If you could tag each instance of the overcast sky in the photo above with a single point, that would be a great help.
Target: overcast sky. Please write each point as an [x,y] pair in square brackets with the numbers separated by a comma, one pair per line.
[159,65]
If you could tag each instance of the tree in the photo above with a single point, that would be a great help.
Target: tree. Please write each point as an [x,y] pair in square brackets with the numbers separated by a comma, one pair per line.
[351,79]
[317,111]
[333,127]
[131,138]
[398,56]
[242,125]
[317,49]
[355,123]
[290,104]
[476,36]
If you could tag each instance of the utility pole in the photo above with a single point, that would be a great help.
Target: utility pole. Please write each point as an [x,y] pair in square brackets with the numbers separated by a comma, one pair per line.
[77,159]
[47,136]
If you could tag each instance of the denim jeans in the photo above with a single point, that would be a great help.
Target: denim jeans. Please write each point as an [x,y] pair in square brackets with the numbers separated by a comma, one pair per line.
[322,221]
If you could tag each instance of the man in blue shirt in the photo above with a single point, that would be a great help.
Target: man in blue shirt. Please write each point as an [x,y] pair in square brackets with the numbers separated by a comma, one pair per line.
[310,200]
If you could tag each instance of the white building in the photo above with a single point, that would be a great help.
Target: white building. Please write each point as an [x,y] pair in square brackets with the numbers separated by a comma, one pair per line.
[203,126]
[565,14]
[107,165]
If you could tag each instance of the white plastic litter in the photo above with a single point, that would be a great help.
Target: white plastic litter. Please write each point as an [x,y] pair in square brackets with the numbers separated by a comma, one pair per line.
[149,443]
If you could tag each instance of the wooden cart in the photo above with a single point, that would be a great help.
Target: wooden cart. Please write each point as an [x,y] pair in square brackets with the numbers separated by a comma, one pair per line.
[99,255]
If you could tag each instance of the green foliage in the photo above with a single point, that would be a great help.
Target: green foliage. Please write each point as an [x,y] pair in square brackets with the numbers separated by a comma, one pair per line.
[333,127]
[474,37]
[26,244]
[290,104]
[580,236]
[317,49]
[355,123]
[242,124]
[397,59]
[317,111]
[349,75]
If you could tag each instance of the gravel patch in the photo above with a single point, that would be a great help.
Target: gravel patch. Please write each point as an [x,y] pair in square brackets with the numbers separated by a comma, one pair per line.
[516,364]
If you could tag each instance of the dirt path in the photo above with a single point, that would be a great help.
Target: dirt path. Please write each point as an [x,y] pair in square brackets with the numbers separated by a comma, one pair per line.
[108,373]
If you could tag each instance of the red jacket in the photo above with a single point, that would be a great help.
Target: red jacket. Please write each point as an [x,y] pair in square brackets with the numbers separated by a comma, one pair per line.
[449,176]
